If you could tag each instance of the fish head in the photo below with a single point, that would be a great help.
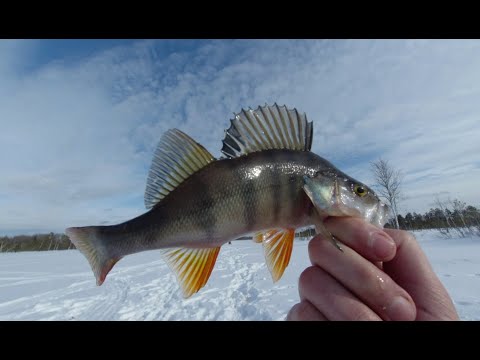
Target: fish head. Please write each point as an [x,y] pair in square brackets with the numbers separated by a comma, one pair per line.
[336,194]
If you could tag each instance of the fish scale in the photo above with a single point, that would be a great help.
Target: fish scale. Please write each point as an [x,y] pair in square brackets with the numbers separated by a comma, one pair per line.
[270,183]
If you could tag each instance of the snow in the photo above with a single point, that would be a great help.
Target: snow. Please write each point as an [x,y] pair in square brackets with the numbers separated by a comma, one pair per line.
[457,263]
[59,285]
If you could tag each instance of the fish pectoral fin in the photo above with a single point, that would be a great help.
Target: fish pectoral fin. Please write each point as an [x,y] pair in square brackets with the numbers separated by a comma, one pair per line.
[277,246]
[192,266]
[322,230]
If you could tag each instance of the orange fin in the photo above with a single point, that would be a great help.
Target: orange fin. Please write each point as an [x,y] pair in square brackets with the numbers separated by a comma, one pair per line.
[191,266]
[258,237]
[277,245]
[261,235]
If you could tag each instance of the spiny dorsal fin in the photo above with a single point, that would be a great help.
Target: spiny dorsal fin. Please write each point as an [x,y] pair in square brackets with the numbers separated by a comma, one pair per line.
[268,127]
[191,266]
[277,245]
[176,158]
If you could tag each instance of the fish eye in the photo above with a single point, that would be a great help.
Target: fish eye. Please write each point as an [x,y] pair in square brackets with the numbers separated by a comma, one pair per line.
[359,190]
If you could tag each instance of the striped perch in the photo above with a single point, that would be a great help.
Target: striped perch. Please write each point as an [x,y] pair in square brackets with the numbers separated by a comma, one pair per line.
[269,184]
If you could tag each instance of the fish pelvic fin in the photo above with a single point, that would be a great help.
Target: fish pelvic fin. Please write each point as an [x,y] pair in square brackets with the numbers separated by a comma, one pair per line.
[90,244]
[277,246]
[266,128]
[258,237]
[192,266]
[320,229]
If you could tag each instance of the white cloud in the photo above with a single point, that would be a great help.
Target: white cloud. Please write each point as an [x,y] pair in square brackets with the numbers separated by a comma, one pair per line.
[76,138]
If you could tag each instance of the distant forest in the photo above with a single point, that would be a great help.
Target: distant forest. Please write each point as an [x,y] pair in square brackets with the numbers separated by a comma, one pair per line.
[452,219]
[37,242]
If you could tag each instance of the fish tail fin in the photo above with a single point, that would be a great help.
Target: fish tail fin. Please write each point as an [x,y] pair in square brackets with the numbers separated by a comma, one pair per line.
[91,244]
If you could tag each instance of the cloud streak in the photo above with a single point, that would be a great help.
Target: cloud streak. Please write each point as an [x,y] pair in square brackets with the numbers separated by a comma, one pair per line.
[77,138]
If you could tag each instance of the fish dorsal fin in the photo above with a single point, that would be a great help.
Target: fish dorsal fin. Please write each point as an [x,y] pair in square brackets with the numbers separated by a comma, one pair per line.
[191,266]
[268,127]
[176,158]
[277,246]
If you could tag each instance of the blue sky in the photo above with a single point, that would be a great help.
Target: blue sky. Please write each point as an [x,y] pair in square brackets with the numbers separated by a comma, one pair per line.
[79,119]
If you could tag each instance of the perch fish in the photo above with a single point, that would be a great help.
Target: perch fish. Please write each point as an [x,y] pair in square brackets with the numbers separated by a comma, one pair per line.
[268,183]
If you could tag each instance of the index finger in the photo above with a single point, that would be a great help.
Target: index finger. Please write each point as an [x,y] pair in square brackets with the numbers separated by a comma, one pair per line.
[366,239]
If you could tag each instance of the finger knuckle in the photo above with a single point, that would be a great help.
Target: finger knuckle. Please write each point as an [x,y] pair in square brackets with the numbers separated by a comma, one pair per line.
[366,275]
[293,313]
[363,314]
[308,276]
[303,310]
[377,285]
[316,246]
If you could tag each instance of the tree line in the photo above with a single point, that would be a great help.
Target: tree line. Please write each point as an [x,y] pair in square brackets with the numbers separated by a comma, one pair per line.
[450,218]
[37,242]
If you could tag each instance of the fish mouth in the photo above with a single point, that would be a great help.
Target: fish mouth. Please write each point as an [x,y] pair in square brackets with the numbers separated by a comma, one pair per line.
[384,209]
[382,214]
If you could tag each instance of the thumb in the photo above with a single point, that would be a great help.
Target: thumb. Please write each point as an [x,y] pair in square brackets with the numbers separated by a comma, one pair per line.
[411,270]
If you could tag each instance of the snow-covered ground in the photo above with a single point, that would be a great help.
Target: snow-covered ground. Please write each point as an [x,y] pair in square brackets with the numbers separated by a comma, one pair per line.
[59,285]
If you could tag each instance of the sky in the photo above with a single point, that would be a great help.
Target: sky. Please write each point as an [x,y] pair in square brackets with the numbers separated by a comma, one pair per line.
[80,119]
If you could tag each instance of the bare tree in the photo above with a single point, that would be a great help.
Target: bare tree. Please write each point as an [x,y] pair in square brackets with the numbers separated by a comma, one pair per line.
[459,208]
[388,181]
[446,214]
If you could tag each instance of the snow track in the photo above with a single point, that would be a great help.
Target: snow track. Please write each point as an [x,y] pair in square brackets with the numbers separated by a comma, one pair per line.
[59,285]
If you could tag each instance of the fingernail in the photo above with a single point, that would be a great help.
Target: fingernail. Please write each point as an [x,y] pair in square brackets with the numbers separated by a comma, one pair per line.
[382,245]
[401,309]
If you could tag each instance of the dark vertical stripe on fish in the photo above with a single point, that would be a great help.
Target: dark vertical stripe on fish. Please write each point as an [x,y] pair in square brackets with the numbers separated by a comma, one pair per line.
[250,200]
[276,202]
[272,203]
[207,221]
[293,195]
[285,200]
[272,179]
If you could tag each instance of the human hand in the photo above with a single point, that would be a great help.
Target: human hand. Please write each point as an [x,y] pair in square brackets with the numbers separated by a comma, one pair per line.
[382,274]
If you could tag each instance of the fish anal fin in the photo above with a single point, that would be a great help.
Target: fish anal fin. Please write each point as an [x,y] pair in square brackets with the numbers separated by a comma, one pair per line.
[277,246]
[192,266]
